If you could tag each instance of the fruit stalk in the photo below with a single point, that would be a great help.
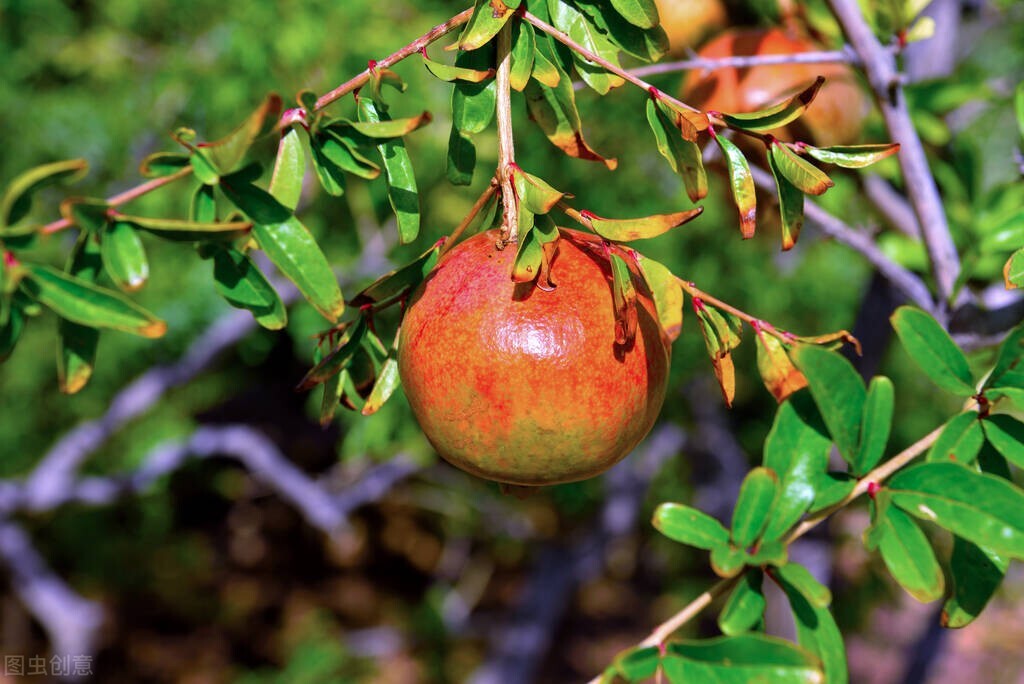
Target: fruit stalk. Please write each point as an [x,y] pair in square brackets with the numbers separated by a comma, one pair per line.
[506,141]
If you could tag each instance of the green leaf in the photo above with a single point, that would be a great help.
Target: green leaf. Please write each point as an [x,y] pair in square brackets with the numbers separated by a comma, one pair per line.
[642,13]
[839,393]
[797,449]
[981,508]
[976,573]
[124,257]
[545,71]
[241,283]
[553,109]
[473,103]
[227,153]
[387,381]
[689,526]
[666,293]
[635,664]
[161,164]
[582,29]
[742,183]
[816,630]
[739,659]
[728,561]
[204,205]
[76,344]
[489,16]
[745,606]
[1010,354]
[853,156]
[1013,272]
[933,351]
[338,150]
[293,249]
[402,191]
[79,301]
[401,281]
[17,198]
[334,387]
[461,158]
[909,556]
[800,172]
[796,575]
[188,231]
[778,115]
[791,205]
[624,300]
[87,213]
[683,155]
[1006,434]
[830,488]
[721,336]
[960,440]
[203,167]
[524,47]
[330,175]
[625,230]
[338,359]
[289,170]
[538,196]
[10,332]
[876,423]
[369,132]
[449,72]
[754,506]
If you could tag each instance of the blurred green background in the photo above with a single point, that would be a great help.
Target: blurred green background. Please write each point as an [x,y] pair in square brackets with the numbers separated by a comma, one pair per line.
[206,577]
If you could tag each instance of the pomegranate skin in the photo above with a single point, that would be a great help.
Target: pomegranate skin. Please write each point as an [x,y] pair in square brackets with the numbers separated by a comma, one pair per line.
[524,386]
[836,116]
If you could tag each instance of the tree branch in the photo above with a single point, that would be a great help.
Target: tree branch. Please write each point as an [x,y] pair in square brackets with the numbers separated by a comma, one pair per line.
[880,68]
[506,139]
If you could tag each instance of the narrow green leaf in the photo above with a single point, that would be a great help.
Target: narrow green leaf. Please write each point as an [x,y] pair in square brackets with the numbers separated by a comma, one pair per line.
[981,508]
[742,183]
[745,606]
[330,175]
[797,449]
[909,556]
[642,13]
[87,213]
[241,283]
[368,132]
[933,351]
[461,158]
[583,30]
[976,573]
[293,249]
[875,426]
[740,659]
[624,300]
[1006,434]
[721,336]
[203,167]
[754,506]
[800,172]
[188,231]
[625,230]
[17,198]
[76,344]
[635,664]
[538,196]
[488,18]
[791,205]
[338,359]
[402,191]
[779,115]
[545,71]
[728,561]
[816,630]
[334,387]
[689,526]
[524,48]
[124,257]
[666,293]
[342,153]
[162,164]
[853,156]
[450,72]
[798,576]
[204,205]
[553,109]
[79,301]
[473,103]
[839,393]
[289,170]
[227,153]
[960,440]
[682,155]
[387,381]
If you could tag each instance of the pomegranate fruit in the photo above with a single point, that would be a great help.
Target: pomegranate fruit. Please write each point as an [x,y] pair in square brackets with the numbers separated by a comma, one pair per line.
[834,118]
[523,385]
[687,22]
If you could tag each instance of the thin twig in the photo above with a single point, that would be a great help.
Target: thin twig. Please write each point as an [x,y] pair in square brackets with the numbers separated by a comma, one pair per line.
[844,56]
[412,48]
[506,139]
[123,197]
[477,207]
[880,68]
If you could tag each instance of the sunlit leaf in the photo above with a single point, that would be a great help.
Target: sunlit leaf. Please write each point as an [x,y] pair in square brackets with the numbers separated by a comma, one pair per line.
[817,631]
[666,293]
[642,13]
[1013,271]
[800,577]
[778,115]
[569,18]
[721,336]
[387,381]
[754,506]
[227,153]
[76,344]
[17,198]
[449,72]
[798,171]
[625,230]
[538,196]
[960,440]
[839,393]
[1011,353]
[728,560]
[524,48]
[908,555]
[473,103]
[204,205]
[791,205]
[689,526]
[875,426]
[745,606]
[554,110]
[187,231]
[289,170]
[780,376]
[489,16]
[624,298]
[933,351]
[742,183]
[853,156]
[402,190]
[683,155]
[740,659]
[124,257]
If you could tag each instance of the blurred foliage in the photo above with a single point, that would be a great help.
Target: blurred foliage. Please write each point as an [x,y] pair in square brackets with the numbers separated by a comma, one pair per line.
[205,553]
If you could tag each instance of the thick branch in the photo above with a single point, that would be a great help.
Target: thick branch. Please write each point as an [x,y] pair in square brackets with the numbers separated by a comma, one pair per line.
[412,48]
[880,68]
[506,139]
